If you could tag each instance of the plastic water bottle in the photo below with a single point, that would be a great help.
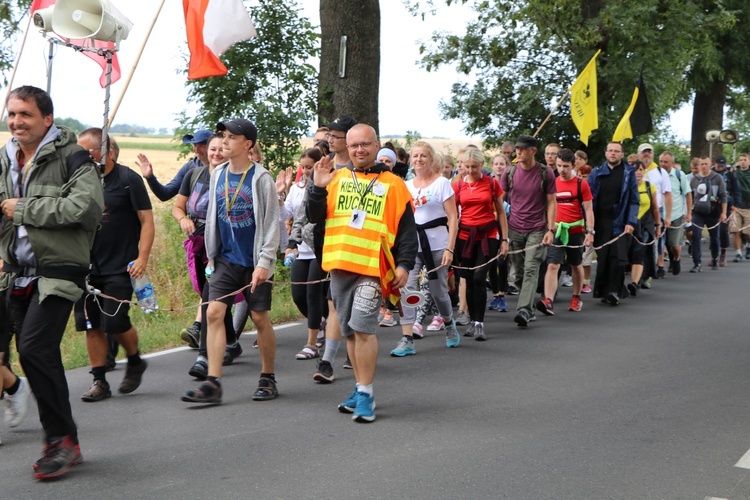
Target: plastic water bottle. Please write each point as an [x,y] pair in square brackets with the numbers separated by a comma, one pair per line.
[144,292]
[289,260]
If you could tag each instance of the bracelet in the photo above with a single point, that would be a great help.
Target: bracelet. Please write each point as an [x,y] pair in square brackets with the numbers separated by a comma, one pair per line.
[180,219]
[449,250]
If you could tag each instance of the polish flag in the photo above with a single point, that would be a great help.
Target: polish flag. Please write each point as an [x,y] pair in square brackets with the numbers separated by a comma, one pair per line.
[86,42]
[212,27]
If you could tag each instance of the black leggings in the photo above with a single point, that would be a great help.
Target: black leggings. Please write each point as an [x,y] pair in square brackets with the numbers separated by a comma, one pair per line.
[499,276]
[310,299]
[476,288]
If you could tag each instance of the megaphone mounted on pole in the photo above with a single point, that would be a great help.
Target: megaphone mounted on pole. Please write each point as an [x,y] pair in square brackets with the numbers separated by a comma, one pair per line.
[94,19]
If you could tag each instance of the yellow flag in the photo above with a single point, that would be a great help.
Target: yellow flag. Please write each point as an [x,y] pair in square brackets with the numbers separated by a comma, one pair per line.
[583,107]
[637,118]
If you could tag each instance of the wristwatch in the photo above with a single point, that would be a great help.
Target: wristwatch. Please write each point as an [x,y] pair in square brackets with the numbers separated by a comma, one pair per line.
[590,231]
[506,240]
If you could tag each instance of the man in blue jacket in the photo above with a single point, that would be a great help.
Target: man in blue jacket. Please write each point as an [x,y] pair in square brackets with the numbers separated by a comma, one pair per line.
[166,193]
[615,192]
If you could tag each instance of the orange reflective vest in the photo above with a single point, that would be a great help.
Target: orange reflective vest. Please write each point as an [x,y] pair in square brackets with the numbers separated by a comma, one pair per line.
[358,250]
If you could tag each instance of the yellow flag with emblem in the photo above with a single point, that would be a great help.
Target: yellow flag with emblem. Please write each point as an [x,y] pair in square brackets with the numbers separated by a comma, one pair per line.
[583,106]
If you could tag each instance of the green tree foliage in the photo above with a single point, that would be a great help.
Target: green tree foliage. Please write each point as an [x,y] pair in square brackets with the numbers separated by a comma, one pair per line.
[75,125]
[11,17]
[516,59]
[270,82]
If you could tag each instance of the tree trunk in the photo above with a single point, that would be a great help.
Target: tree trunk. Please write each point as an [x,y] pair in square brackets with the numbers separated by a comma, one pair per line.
[708,114]
[356,93]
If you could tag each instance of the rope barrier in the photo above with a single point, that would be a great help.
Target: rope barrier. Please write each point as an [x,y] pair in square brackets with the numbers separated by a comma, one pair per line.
[97,293]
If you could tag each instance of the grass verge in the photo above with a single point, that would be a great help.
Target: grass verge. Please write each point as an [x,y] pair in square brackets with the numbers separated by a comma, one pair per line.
[168,272]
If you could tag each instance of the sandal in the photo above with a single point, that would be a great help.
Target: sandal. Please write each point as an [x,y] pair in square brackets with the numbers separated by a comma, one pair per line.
[308,352]
[207,393]
[266,390]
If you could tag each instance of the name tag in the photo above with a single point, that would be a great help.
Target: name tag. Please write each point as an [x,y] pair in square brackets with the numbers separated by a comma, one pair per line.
[358,219]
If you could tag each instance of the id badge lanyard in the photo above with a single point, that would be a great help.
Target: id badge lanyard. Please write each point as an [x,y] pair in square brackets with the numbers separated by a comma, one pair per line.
[359,214]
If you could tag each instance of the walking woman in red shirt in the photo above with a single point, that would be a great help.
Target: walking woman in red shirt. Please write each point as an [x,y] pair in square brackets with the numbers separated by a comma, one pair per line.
[483,230]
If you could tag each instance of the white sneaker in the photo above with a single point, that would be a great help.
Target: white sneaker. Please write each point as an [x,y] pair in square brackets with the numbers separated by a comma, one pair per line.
[566,280]
[436,325]
[17,405]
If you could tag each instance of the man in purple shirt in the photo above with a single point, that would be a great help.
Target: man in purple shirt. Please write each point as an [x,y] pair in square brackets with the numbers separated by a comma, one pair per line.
[531,194]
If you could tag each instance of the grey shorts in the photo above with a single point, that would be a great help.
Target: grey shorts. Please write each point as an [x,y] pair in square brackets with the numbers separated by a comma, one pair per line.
[676,236]
[357,301]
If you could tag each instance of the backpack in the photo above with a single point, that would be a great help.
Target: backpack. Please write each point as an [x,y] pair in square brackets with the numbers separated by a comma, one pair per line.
[512,172]
[460,183]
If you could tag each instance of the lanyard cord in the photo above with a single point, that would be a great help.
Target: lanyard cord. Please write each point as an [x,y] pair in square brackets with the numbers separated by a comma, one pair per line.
[229,202]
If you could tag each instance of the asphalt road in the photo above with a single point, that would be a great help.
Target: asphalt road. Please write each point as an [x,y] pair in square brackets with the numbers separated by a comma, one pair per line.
[645,400]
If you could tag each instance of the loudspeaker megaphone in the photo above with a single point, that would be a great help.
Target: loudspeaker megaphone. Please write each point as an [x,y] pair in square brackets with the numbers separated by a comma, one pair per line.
[96,19]
[728,136]
[43,18]
[712,135]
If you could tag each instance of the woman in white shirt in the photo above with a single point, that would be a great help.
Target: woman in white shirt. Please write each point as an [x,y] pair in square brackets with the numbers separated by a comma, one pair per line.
[437,224]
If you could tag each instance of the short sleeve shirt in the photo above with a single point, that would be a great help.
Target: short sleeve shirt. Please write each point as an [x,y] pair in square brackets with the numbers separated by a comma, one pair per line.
[528,203]
[476,203]
[197,204]
[659,179]
[429,205]
[116,243]
[569,207]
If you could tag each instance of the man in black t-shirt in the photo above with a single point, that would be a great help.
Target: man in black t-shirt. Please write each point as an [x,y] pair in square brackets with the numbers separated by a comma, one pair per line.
[125,237]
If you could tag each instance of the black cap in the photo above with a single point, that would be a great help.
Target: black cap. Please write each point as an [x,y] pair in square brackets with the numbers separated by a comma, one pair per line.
[342,124]
[526,141]
[239,126]
[721,161]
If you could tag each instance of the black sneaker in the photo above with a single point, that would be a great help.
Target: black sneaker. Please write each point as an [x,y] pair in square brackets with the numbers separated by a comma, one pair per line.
[199,369]
[231,353]
[676,268]
[207,393]
[348,364]
[522,318]
[632,289]
[59,456]
[512,289]
[192,335]
[612,299]
[660,274]
[133,376]
[696,268]
[266,390]
[714,265]
[324,375]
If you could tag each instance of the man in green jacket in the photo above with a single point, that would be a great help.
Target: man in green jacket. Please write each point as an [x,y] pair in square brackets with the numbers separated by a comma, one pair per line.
[51,200]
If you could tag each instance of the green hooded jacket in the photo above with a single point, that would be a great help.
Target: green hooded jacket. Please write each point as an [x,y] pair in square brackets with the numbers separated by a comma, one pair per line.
[61,215]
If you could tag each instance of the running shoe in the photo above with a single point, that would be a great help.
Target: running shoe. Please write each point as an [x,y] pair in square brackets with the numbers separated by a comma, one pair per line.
[575,303]
[566,280]
[479,332]
[545,306]
[59,456]
[586,288]
[192,335]
[502,306]
[232,352]
[350,403]
[452,338]
[404,348]
[364,411]
[17,405]
[388,319]
[471,330]
[324,375]
[462,319]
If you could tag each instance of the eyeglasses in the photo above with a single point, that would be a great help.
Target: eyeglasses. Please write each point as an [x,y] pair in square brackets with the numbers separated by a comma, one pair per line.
[331,136]
[95,149]
[614,151]
[363,145]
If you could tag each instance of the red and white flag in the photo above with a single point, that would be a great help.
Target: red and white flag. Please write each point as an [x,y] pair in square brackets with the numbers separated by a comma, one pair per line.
[85,42]
[212,27]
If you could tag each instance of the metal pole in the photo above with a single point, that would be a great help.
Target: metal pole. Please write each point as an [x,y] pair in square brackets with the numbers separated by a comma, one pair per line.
[105,127]
[15,68]
[49,65]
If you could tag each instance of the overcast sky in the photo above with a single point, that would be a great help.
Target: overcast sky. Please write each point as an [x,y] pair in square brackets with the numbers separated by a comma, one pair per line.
[409,95]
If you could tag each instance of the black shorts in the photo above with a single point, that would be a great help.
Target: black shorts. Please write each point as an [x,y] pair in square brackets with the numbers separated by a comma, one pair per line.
[115,318]
[227,278]
[573,256]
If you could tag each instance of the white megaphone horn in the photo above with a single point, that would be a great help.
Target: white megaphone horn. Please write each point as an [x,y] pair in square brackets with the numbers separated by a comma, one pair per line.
[95,19]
